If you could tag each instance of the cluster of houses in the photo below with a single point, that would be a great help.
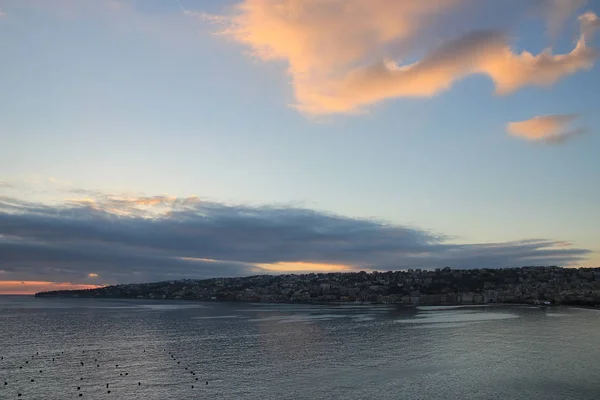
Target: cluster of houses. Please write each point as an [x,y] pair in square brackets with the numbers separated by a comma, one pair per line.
[550,285]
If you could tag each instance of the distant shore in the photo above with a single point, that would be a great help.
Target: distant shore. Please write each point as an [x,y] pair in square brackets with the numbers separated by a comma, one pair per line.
[441,287]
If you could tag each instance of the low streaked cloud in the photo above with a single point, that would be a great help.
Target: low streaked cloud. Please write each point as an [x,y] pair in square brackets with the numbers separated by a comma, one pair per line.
[192,238]
[7,185]
[342,55]
[548,128]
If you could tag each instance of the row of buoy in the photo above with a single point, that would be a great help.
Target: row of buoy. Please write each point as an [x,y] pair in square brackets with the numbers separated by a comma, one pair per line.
[97,365]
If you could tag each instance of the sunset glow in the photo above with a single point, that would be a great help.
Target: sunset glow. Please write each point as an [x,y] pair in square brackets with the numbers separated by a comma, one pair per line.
[32,287]
[304,267]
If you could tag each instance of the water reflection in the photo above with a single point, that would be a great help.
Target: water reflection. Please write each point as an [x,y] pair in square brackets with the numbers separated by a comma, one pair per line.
[162,349]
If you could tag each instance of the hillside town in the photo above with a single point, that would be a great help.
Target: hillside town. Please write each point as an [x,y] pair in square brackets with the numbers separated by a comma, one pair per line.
[548,285]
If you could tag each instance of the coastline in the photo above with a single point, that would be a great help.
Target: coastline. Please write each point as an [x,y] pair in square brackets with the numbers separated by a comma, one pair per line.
[441,287]
[330,304]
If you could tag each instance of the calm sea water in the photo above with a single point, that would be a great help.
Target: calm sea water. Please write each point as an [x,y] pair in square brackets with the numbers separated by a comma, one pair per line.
[265,352]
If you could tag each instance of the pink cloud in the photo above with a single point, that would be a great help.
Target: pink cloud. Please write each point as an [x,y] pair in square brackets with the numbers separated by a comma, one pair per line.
[341,54]
[547,128]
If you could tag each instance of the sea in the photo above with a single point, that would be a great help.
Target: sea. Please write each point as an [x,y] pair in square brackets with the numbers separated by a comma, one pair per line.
[143,349]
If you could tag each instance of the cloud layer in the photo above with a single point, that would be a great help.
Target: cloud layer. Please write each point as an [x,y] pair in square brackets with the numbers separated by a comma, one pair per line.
[547,128]
[143,239]
[342,55]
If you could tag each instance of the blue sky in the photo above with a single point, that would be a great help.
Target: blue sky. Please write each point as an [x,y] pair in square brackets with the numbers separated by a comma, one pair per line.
[139,98]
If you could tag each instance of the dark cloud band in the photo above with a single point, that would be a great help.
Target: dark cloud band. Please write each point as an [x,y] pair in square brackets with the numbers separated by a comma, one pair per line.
[126,240]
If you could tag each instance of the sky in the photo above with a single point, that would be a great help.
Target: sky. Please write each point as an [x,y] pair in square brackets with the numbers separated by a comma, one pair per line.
[149,140]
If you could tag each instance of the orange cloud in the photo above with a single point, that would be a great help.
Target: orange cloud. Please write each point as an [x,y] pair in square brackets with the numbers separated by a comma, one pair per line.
[148,206]
[547,128]
[31,287]
[590,23]
[302,267]
[341,53]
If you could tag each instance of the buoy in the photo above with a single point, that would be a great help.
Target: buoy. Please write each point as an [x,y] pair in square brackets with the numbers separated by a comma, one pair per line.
[196,378]
[40,371]
[139,383]
[32,380]
[78,387]
[192,386]
[107,385]
[207,382]
[108,391]
[80,395]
